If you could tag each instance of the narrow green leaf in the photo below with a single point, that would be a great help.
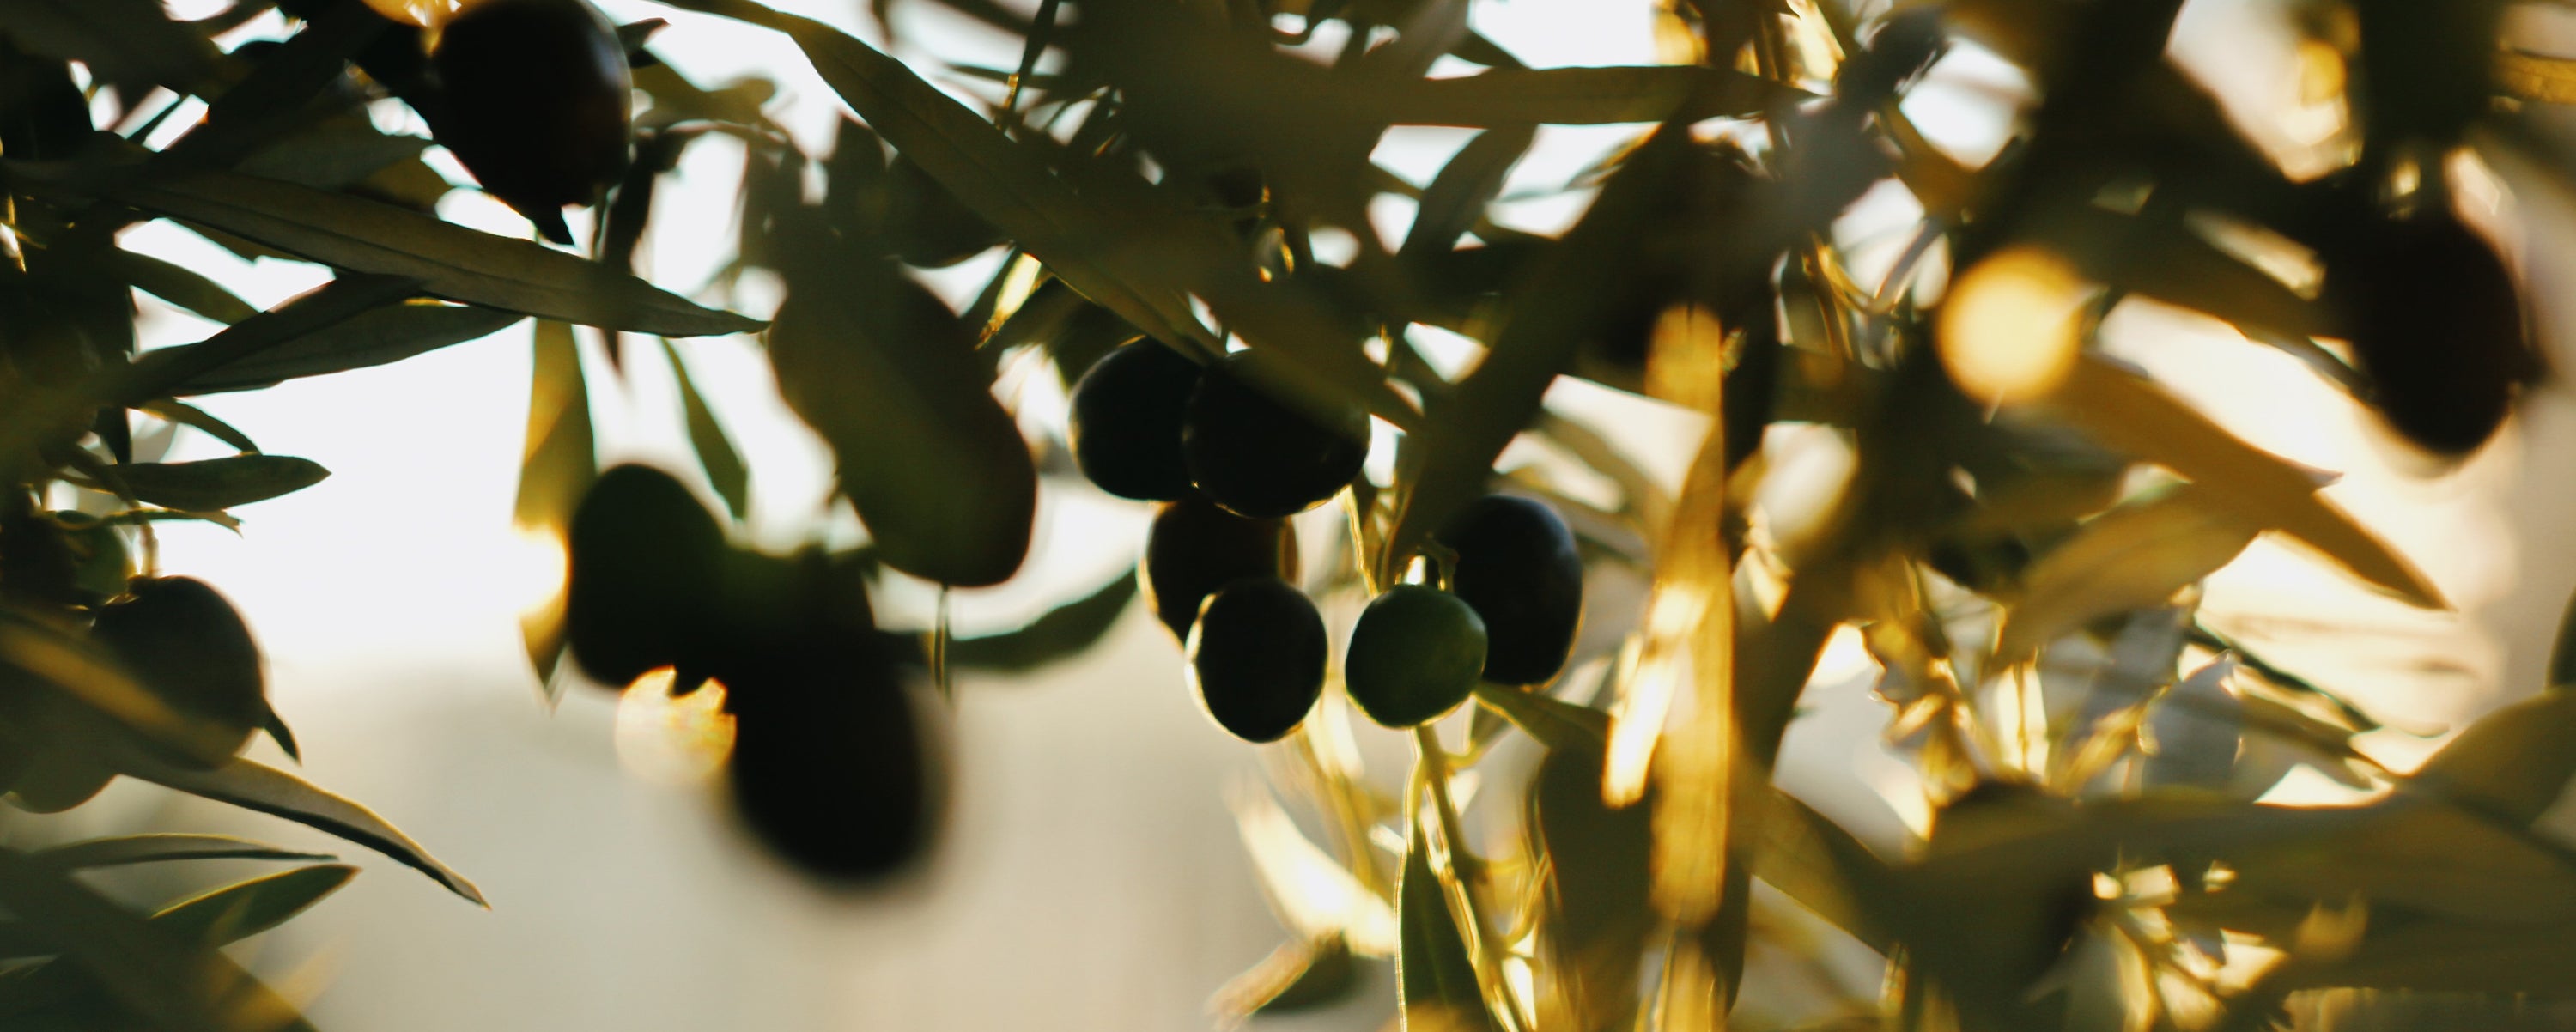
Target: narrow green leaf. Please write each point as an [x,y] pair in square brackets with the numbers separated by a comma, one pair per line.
[255,786]
[716,453]
[185,414]
[159,373]
[556,467]
[178,285]
[244,909]
[213,484]
[375,337]
[175,984]
[1555,723]
[129,43]
[155,848]
[1458,196]
[1435,978]
[2513,763]
[449,260]
[1581,96]
[1062,632]
[2132,557]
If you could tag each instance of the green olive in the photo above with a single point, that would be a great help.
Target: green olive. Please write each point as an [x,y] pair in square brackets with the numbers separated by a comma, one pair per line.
[1415,654]
[1125,427]
[1257,658]
[645,561]
[536,102]
[1516,566]
[927,224]
[187,644]
[2436,322]
[1195,548]
[832,766]
[1257,456]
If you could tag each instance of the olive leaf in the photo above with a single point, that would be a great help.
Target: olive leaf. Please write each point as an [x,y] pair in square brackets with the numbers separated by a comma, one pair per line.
[212,484]
[132,44]
[185,414]
[247,908]
[2513,763]
[255,786]
[1067,630]
[154,848]
[1457,197]
[169,981]
[2132,557]
[378,336]
[449,260]
[1435,978]
[556,467]
[716,454]
[178,285]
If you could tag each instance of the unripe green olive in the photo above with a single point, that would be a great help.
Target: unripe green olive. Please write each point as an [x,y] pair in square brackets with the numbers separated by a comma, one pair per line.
[535,101]
[1257,456]
[645,562]
[927,224]
[2435,320]
[1415,654]
[1125,427]
[1195,548]
[186,644]
[1257,658]
[1516,566]
[832,767]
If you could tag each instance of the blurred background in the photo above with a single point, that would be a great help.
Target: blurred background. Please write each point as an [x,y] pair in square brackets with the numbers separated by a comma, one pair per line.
[1092,875]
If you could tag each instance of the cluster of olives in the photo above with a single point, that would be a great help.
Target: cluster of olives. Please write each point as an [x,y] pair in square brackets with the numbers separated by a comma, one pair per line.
[832,764]
[1230,464]
[177,637]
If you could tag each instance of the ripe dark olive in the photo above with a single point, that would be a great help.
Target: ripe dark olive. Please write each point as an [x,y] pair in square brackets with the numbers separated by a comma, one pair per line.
[1257,658]
[1257,456]
[1195,548]
[1125,427]
[927,224]
[2435,321]
[1415,654]
[43,116]
[535,102]
[645,558]
[1516,566]
[185,643]
[831,766]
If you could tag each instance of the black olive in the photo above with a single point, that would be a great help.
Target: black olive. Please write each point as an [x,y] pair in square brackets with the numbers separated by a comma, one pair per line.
[1415,654]
[927,224]
[1257,456]
[645,561]
[1125,427]
[1195,548]
[535,101]
[2436,322]
[832,767]
[43,116]
[1517,567]
[1257,657]
[185,643]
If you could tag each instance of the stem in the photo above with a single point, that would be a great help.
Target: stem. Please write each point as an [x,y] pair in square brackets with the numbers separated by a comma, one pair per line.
[939,638]
[1457,878]
[1348,824]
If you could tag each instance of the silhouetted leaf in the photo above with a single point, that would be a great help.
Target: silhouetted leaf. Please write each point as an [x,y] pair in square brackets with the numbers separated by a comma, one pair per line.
[165,979]
[212,484]
[1556,724]
[153,848]
[254,786]
[178,285]
[1435,978]
[716,454]
[244,909]
[130,43]
[185,414]
[1062,632]
[556,466]
[1457,197]
[162,371]
[378,336]
[2129,558]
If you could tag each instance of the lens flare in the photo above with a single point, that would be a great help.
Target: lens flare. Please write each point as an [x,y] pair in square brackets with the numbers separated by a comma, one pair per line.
[673,740]
[2013,325]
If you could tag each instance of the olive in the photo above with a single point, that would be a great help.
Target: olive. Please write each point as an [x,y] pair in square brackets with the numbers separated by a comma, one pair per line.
[1257,657]
[933,463]
[832,767]
[536,102]
[2435,321]
[646,557]
[1195,548]
[1415,654]
[43,116]
[37,563]
[1516,566]
[767,607]
[1125,427]
[187,644]
[927,224]
[1257,456]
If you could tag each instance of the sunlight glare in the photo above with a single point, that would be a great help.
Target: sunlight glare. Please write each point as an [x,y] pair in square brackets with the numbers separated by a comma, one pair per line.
[2013,325]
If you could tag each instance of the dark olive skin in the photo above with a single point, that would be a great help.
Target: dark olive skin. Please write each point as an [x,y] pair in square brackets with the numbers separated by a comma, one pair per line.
[645,560]
[535,101]
[187,644]
[43,116]
[1415,654]
[831,767]
[2436,322]
[1516,567]
[1125,427]
[1257,456]
[927,224]
[1257,658]
[1195,548]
